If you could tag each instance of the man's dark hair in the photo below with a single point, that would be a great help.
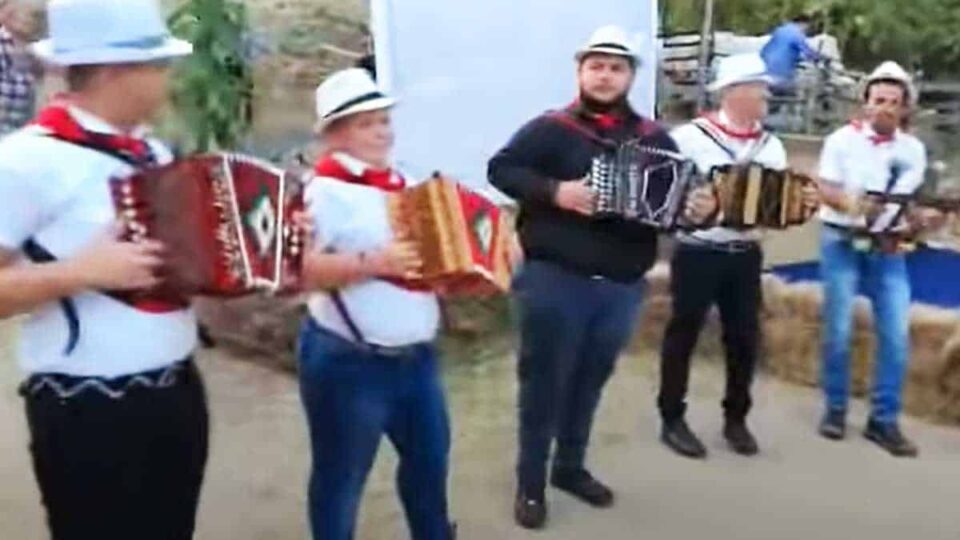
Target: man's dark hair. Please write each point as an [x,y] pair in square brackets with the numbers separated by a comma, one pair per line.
[894,82]
[803,18]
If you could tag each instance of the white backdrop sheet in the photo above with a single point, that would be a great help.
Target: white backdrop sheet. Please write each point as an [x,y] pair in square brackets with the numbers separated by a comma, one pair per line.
[468,74]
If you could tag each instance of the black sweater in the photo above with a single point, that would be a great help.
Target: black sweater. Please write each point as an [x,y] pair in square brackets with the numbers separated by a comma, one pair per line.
[560,146]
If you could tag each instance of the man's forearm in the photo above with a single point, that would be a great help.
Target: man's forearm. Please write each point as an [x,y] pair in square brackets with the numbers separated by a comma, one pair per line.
[25,288]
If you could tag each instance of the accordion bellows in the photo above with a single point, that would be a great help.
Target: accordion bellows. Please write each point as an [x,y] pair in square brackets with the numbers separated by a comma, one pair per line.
[462,237]
[226,221]
[640,183]
[751,196]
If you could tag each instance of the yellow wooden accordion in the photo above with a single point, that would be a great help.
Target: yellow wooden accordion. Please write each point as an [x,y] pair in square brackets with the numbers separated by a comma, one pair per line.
[751,195]
[462,237]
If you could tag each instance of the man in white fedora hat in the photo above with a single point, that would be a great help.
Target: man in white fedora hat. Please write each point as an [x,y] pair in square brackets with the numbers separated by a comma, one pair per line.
[115,406]
[720,266]
[870,154]
[580,289]
[367,354]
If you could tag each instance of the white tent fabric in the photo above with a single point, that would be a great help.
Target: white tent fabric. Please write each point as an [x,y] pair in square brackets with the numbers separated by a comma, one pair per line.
[469,74]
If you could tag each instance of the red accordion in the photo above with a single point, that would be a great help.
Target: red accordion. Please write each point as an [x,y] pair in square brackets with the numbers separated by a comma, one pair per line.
[226,221]
[462,237]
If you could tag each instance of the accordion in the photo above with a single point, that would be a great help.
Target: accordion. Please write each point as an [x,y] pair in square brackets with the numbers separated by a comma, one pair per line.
[226,221]
[462,238]
[642,183]
[751,195]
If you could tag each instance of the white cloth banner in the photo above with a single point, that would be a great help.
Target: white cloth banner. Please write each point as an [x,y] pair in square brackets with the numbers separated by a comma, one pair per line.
[468,74]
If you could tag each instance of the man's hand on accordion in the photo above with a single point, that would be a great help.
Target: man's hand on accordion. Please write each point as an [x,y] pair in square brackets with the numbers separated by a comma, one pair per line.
[398,260]
[576,196]
[811,196]
[113,264]
[701,205]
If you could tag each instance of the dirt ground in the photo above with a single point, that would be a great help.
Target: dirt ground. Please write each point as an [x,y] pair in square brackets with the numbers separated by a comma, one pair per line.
[800,487]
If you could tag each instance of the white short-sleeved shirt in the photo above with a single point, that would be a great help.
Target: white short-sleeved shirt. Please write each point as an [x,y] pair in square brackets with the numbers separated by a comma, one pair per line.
[852,160]
[707,154]
[352,218]
[58,194]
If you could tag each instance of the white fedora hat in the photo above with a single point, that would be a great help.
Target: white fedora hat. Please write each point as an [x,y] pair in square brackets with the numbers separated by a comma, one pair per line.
[611,40]
[347,92]
[893,72]
[107,32]
[740,69]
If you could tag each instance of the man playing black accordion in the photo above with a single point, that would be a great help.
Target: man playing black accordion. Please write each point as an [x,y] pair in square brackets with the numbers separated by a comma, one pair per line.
[722,265]
[580,288]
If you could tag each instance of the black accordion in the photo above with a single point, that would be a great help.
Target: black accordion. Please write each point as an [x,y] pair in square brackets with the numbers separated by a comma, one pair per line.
[642,183]
[751,195]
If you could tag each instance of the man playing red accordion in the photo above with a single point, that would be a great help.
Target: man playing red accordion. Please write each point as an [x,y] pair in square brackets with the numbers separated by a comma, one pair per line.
[368,363]
[115,406]
[580,288]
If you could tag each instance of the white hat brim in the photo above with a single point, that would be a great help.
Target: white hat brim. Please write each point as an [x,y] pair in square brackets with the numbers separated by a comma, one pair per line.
[169,49]
[375,104]
[716,86]
[607,50]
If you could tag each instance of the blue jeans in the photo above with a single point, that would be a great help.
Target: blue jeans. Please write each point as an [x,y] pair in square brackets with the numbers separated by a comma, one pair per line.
[572,329]
[885,281]
[352,398]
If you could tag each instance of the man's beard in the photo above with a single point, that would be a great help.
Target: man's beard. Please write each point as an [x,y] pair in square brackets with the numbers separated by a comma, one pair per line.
[599,106]
[885,123]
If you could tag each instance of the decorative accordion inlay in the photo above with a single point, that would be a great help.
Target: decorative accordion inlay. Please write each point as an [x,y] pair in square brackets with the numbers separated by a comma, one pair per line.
[226,221]
[752,195]
[642,183]
[462,237]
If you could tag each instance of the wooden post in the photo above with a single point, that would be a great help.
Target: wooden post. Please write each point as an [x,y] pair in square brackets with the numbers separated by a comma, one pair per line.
[706,47]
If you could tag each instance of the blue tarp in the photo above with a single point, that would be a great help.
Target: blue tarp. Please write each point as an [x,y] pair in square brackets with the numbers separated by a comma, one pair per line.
[934,276]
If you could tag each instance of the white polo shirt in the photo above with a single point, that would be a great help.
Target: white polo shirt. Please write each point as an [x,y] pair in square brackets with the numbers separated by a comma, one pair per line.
[351,218]
[707,154]
[58,194]
[852,160]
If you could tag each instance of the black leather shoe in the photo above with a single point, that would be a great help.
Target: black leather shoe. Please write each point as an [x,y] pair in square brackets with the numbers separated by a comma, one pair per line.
[530,511]
[834,425]
[582,485]
[889,437]
[739,438]
[676,434]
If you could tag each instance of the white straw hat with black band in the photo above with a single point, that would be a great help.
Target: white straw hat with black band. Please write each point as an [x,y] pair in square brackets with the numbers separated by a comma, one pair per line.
[347,92]
[611,40]
[741,69]
[84,32]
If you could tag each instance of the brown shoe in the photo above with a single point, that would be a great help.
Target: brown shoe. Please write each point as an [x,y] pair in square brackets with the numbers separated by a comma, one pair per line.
[582,485]
[530,512]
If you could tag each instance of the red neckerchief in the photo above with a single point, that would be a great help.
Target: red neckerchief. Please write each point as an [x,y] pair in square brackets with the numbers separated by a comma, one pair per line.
[56,119]
[603,121]
[748,135]
[877,139]
[386,179]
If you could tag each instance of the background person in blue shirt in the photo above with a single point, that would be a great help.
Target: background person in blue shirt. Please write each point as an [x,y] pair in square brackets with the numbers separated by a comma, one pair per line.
[786,48]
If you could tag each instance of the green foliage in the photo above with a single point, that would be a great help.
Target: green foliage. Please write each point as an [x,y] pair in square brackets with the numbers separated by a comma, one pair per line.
[916,32]
[213,88]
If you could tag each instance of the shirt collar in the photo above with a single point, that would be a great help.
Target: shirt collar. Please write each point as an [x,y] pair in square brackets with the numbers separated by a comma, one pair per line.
[866,129]
[94,123]
[354,165]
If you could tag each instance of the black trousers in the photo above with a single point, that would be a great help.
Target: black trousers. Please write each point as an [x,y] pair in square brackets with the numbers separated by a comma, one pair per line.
[703,276]
[120,468]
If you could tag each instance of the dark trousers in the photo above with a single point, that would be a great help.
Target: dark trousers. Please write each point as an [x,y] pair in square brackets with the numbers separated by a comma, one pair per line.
[701,277]
[117,469]
[352,399]
[572,329]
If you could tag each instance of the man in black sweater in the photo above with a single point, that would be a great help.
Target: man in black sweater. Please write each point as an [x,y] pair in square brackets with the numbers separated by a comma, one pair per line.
[581,286]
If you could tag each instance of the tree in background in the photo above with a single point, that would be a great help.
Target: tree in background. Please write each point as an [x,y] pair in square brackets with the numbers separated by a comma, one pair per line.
[213,88]
[921,32]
